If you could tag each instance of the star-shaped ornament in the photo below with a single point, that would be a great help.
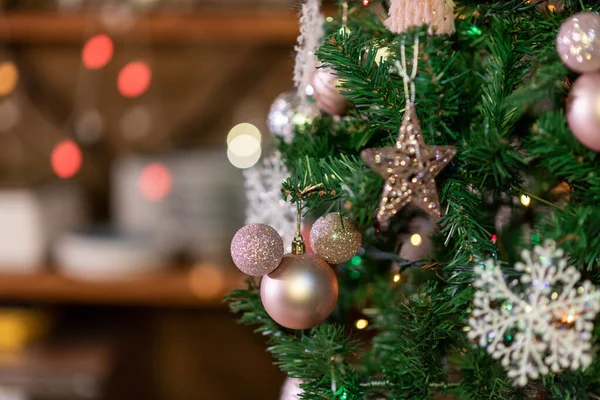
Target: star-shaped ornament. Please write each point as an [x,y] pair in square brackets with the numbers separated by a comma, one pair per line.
[409,169]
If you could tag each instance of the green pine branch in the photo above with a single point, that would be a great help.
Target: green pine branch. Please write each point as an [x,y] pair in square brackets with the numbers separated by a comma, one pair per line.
[496,90]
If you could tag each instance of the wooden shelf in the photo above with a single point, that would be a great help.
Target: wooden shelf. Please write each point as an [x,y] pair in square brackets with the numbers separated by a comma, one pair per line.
[216,26]
[202,286]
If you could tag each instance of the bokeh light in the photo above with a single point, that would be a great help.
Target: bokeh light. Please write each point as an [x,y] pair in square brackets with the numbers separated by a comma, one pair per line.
[97,51]
[66,159]
[9,77]
[155,182]
[244,145]
[243,162]
[134,79]
[397,278]
[362,324]
[207,281]
[136,122]
[244,129]
[526,200]
[416,240]
[310,90]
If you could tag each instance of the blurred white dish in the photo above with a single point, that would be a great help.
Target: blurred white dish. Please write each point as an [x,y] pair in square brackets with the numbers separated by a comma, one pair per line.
[31,219]
[106,255]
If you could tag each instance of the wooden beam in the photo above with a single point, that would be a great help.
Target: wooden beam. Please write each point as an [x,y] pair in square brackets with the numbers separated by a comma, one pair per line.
[278,27]
[202,286]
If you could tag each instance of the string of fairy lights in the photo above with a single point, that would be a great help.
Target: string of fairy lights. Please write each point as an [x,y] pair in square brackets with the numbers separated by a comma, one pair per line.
[132,81]
[244,141]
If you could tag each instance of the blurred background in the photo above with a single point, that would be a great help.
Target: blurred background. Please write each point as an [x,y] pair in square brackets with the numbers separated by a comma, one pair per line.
[124,129]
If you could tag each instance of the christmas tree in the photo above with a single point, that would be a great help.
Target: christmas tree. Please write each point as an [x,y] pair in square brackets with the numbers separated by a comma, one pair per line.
[449,149]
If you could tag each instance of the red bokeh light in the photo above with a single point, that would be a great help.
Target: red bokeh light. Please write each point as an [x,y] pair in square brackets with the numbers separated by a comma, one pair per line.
[66,159]
[134,79]
[155,182]
[97,52]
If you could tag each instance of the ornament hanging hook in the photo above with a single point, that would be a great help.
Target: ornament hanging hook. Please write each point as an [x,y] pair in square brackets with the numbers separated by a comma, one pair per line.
[298,245]
[345,16]
[299,217]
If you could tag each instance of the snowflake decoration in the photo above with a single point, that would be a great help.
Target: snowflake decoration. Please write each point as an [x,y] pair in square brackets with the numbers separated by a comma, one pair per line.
[311,36]
[265,204]
[539,323]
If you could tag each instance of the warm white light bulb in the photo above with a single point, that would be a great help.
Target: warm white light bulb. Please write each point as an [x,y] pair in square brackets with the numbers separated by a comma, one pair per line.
[416,240]
[525,200]
[362,324]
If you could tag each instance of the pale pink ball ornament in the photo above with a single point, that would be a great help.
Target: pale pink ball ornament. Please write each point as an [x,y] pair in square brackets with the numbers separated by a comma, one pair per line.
[301,293]
[325,83]
[578,42]
[257,249]
[583,111]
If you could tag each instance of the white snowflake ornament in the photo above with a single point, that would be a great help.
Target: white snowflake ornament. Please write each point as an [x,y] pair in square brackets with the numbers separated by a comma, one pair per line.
[265,204]
[540,322]
[311,36]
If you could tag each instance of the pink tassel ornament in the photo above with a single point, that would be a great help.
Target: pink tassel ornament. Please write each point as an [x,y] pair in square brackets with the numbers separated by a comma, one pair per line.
[406,14]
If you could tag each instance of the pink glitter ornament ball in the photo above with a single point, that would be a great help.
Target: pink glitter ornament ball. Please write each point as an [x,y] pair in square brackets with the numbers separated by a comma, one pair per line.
[257,249]
[335,238]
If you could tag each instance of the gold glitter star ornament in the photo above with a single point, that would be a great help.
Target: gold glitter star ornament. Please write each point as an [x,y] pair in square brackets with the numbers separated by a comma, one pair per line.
[409,169]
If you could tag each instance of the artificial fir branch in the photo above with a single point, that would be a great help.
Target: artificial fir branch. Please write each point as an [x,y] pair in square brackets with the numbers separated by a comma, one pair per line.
[496,90]
[556,150]
[577,229]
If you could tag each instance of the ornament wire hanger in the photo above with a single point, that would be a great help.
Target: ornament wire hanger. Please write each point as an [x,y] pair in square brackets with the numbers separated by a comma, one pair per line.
[410,90]
[409,80]
[299,218]
[410,167]
[345,17]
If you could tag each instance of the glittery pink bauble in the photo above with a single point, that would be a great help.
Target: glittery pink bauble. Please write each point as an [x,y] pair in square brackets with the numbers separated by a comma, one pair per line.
[583,112]
[335,238]
[257,249]
[578,42]
[301,293]
[327,93]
